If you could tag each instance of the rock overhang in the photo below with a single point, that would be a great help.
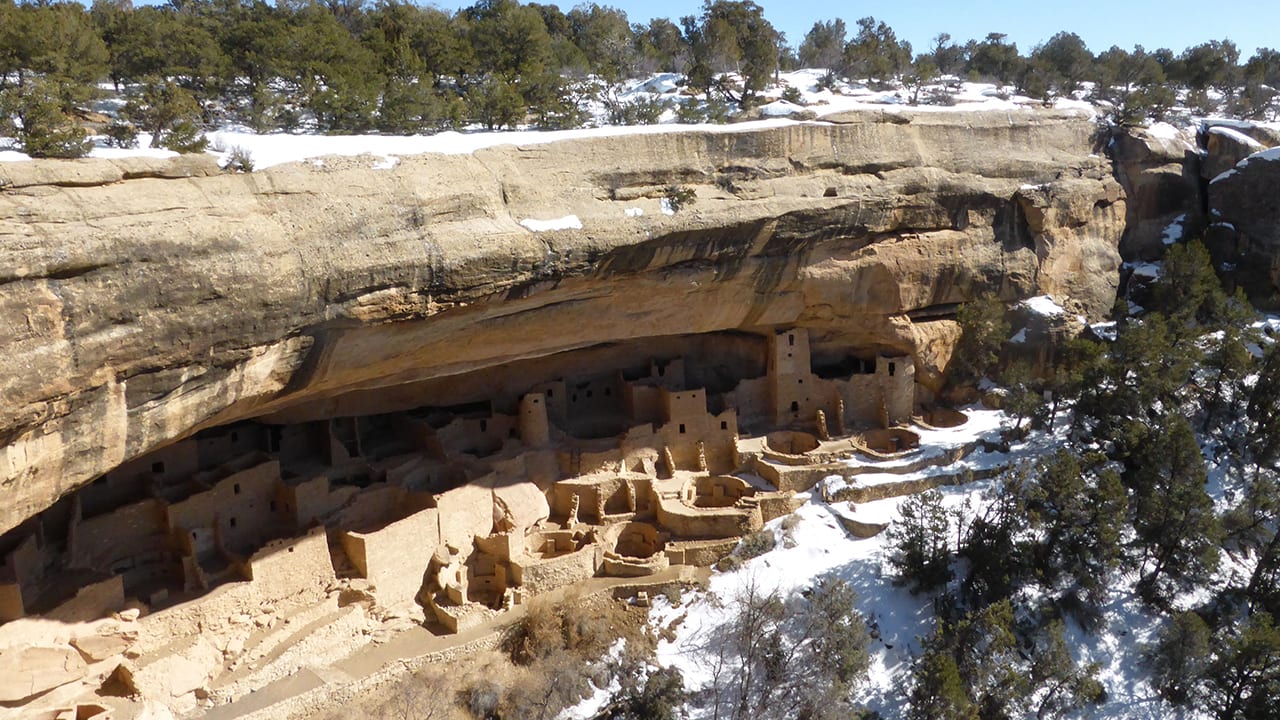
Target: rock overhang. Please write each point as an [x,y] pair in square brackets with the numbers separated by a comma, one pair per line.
[144,301]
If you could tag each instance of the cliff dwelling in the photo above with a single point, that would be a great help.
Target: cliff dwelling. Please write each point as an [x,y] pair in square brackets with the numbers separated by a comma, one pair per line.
[603,463]
[470,508]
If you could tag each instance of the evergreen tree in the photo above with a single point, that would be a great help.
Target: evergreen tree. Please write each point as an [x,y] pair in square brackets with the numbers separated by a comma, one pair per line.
[923,71]
[1064,686]
[1080,523]
[1024,401]
[1066,61]
[731,36]
[948,57]
[993,545]
[983,331]
[495,103]
[1176,530]
[1227,364]
[1214,64]
[169,113]
[1180,656]
[660,46]
[1134,82]
[920,542]
[659,697]
[43,128]
[255,38]
[875,53]
[937,690]
[993,59]
[823,45]
[604,37]
[1243,681]
[331,74]
[985,645]
[1263,436]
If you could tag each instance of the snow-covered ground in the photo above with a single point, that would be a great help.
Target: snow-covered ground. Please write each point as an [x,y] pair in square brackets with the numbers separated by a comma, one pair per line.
[817,547]
[269,149]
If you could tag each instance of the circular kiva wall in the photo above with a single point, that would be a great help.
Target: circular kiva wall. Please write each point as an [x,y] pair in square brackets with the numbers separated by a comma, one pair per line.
[892,440]
[945,418]
[791,442]
[637,540]
[717,491]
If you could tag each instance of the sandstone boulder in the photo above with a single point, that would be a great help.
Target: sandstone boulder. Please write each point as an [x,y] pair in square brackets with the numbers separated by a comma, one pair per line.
[1268,135]
[1224,147]
[29,671]
[1246,216]
[1160,173]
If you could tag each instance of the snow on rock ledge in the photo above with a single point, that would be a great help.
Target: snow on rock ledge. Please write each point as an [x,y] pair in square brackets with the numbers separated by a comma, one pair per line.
[568,222]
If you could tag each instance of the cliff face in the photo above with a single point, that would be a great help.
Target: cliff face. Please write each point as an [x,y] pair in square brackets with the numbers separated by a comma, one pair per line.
[141,301]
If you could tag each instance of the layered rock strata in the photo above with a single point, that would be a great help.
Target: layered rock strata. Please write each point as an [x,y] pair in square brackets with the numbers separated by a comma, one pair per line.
[141,301]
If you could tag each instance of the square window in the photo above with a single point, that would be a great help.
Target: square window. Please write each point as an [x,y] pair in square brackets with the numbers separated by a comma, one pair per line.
[681,428]
[157,467]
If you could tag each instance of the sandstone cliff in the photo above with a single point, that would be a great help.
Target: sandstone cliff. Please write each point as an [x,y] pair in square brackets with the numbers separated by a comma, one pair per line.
[143,300]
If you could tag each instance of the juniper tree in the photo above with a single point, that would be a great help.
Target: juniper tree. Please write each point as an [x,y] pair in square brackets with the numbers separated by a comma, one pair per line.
[1066,61]
[1064,685]
[993,545]
[1176,531]
[1080,519]
[169,113]
[937,692]
[1263,435]
[1243,680]
[1179,657]
[43,129]
[823,45]
[983,331]
[919,542]
[875,53]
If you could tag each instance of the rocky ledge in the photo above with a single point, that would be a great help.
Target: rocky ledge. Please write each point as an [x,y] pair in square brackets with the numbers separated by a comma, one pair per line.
[141,301]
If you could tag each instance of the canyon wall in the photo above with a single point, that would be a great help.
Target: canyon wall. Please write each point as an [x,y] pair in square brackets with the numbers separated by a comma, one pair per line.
[143,300]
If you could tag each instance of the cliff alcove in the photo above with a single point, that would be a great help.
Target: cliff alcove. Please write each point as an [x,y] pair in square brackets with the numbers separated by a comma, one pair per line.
[226,393]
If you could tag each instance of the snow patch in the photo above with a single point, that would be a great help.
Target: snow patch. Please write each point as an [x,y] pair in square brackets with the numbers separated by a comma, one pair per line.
[1105,330]
[1020,337]
[387,163]
[1043,305]
[568,222]
[1237,136]
[780,108]
[1164,131]
[1149,270]
[634,212]
[1173,231]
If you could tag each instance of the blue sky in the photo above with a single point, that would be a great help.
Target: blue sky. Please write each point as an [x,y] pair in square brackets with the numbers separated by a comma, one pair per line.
[1173,24]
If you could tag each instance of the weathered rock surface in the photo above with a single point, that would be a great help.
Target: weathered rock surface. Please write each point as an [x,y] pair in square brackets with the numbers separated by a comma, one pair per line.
[1246,217]
[142,301]
[1223,148]
[1163,187]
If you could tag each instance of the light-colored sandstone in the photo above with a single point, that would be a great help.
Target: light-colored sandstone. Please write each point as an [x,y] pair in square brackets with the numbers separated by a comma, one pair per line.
[137,306]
